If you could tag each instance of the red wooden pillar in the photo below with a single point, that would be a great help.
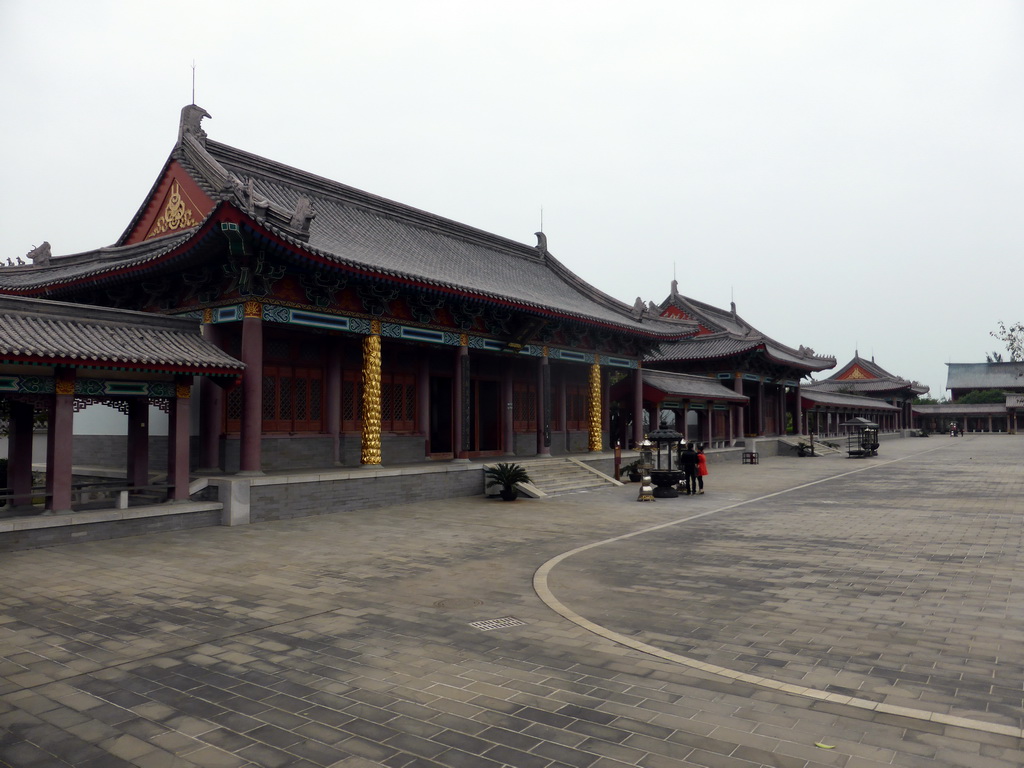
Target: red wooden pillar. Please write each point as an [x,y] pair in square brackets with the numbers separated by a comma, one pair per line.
[544,405]
[507,426]
[798,412]
[563,408]
[59,442]
[462,401]
[138,441]
[251,460]
[177,439]
[740,425]
[211,406]
[19,465]
[638,406]
[760,428]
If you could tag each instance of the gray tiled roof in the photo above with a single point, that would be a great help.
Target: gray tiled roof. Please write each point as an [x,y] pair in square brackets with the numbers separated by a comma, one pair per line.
[367,233]
[867,365]
[985,375]
[968,409]
[825,397]
[686,385]
[730,335]
[36,330]
[65,269]
[891,384]
[883,381]
[357,229]
[722,345]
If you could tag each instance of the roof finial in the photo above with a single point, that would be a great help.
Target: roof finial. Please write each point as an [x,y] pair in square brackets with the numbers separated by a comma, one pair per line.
[191,119]
[193,82]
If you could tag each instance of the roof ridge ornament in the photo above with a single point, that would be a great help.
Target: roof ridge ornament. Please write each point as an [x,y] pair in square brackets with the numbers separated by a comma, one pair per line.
[639,309]
[542,242]
[40,256]
[302,215]
[191,123]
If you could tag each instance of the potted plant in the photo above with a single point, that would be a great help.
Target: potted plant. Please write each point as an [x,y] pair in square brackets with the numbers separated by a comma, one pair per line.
[632,470]
[506,475]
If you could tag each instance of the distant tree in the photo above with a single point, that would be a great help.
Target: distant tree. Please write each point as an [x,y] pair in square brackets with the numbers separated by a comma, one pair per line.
[993,357]
[982,396]
[924,401]
[1013,337]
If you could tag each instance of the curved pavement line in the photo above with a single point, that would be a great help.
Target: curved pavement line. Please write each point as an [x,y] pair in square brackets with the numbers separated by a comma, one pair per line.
[540,585]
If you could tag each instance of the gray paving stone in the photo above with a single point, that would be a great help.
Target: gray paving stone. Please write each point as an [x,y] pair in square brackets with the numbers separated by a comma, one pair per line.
[895,583]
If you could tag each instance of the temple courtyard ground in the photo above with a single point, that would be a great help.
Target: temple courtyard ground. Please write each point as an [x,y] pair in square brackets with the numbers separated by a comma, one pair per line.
[803,612]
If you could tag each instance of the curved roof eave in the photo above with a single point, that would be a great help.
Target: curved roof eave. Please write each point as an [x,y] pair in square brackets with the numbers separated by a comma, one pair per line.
[61,272]
[744,345]
[662,330]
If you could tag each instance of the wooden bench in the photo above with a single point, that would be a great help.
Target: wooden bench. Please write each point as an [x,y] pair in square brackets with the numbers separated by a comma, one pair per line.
[750,457]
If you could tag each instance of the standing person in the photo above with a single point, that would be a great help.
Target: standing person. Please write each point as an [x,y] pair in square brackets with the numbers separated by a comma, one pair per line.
[702,467]
[688,463]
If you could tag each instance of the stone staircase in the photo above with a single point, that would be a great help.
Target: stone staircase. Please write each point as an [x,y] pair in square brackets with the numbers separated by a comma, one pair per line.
[558,476]
[820,448]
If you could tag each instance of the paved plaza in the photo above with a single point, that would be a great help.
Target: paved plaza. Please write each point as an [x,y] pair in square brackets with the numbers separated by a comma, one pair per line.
[809,612]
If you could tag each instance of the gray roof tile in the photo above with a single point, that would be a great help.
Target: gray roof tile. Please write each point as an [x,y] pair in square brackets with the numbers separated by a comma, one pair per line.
[687,385]
[985,375]
[35,330]
[730,335]
[828,397]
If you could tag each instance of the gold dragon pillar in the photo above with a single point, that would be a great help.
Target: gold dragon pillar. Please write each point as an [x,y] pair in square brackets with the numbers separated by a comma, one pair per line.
[371,396]
[595,407]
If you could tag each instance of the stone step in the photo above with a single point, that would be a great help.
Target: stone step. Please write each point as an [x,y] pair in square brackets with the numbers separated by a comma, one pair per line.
[555,477]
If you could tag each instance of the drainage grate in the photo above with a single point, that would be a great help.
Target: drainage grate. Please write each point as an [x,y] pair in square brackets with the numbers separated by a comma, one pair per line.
[502,623]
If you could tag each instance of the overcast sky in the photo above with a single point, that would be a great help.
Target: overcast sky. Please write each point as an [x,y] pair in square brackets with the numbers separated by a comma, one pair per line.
[851,174]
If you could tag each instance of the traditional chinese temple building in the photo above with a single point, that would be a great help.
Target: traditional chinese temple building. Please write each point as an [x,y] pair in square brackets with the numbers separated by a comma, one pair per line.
[863,378]
[371,332]
[963,378]
[766,374]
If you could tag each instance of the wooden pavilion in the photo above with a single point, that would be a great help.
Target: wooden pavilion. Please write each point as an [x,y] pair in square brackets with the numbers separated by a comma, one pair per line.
[865,378]
[57,358]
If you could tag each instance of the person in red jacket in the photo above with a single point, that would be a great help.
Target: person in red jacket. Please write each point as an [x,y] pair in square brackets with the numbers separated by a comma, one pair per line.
[702,467]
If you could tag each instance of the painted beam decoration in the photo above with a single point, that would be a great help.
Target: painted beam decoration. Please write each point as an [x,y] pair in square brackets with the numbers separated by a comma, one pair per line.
[277,313]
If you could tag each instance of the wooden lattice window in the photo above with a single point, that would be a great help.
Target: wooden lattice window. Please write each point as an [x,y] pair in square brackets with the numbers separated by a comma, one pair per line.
[576,416]
[233,409]
[292,399]
[524,407]
[397,402]
[351,401]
